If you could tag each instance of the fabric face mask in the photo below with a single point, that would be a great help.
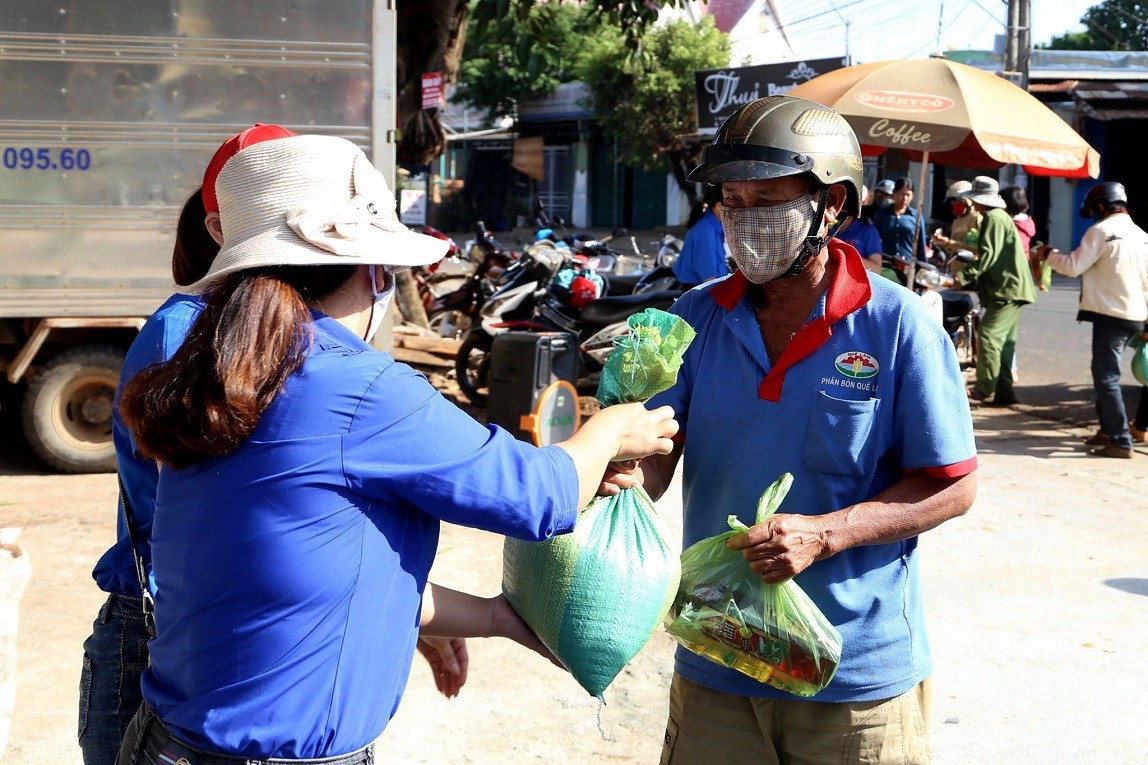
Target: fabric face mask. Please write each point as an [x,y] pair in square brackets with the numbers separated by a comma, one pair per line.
[382,302]
[765,241]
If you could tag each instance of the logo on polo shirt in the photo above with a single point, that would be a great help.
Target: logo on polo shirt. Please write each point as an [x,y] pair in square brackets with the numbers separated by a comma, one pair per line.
[857,365]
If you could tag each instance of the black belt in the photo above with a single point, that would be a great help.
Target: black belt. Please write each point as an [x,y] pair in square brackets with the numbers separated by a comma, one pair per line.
[157,745]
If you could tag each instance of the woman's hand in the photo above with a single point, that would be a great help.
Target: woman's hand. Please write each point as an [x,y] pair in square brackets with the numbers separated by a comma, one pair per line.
[505,622]
[616,434]
[636,431]
[448,660]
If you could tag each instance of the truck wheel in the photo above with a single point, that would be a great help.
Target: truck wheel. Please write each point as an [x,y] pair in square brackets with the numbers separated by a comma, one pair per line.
[67,410]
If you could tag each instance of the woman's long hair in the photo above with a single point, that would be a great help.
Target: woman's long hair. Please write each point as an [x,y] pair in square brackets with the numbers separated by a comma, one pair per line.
[253,334]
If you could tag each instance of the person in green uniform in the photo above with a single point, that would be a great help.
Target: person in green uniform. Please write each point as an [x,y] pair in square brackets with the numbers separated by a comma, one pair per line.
[1002,280]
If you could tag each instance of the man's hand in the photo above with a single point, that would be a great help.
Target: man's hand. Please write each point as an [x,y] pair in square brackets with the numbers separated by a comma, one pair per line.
[620,475]
[783,546]
[448,661]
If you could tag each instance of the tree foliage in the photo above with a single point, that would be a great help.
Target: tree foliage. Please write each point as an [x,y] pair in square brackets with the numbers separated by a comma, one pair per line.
[431,33]
[1111,25]
[646,101]
[506,62]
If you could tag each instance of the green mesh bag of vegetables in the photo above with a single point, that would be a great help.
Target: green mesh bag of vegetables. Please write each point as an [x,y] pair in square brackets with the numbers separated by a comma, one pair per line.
[595,596]
[771,632]
[645,360]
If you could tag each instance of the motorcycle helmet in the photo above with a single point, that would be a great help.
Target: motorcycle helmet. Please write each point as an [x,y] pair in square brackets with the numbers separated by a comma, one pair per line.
[582,291]
[781,136]
[1107,193]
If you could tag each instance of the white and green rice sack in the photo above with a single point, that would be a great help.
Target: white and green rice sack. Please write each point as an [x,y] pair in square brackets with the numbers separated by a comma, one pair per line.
[595,596]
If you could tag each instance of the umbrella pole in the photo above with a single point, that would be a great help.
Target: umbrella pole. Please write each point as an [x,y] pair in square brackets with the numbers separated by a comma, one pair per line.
[911,273]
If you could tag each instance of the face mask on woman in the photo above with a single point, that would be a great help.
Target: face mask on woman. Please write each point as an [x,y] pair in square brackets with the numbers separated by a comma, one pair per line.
[382,301]
[765,241]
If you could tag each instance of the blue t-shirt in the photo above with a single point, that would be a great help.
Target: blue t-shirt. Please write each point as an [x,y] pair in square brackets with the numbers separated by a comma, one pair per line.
[290,572]
[863,236]
[868,389]
[157,341]
[703,253]
[897,232]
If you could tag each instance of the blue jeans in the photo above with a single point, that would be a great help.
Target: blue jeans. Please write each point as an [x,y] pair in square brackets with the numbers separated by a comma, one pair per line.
[115,656]
[1107,348]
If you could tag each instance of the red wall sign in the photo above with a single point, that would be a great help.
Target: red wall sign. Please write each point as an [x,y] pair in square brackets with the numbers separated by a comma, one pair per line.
[432,90]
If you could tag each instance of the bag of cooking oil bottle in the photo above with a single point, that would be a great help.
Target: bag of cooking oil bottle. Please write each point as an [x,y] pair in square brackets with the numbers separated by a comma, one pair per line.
[771,632]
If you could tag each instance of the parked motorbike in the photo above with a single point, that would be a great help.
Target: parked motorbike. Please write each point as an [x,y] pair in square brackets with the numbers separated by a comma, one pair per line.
[958,310]
[528,301]
[451,314]
[661,276]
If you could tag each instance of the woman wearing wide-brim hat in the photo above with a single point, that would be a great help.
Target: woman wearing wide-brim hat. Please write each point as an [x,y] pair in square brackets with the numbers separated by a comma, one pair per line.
[305,475]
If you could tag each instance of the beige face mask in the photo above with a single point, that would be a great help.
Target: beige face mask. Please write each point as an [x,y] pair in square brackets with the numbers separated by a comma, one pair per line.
[765,241]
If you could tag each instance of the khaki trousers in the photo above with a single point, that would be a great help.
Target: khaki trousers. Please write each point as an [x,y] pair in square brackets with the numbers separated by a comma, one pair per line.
[708,727]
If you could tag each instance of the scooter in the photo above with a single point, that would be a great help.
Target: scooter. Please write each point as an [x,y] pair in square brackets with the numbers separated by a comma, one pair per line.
[452,313]
[661,276]
[529,302]
[958,310]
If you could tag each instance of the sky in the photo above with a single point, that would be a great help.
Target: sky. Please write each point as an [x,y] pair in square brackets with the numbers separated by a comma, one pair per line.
[880,29]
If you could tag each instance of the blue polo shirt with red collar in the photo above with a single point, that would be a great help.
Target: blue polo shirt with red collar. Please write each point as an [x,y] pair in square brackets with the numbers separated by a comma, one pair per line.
[868,390]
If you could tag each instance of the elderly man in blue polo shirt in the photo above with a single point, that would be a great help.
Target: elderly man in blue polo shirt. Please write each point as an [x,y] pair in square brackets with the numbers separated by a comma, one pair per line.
[806,363]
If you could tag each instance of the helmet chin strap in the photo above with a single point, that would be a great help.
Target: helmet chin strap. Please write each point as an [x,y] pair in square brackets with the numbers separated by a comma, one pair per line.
[813,243]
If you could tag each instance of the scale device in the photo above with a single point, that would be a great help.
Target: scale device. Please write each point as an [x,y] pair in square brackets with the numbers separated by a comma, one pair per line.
[524,368]
[556,415]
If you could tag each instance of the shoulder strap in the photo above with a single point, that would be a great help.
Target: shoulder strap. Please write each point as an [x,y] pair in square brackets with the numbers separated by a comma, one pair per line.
[141,569]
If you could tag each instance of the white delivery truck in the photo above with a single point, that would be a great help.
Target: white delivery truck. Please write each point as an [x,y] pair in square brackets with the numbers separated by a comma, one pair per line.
[109,112]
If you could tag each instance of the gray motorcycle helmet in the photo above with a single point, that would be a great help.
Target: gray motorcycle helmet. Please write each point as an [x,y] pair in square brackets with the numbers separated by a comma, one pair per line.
[784,135]
[1106,194]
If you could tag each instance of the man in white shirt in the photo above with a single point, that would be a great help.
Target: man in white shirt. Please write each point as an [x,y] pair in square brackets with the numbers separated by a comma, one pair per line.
[1112,261]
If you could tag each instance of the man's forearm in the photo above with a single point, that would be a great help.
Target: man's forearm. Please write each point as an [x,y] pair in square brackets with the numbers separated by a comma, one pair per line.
[910,507]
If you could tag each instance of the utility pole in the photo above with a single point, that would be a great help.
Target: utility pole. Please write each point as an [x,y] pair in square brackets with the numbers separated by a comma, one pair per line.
[846,22]
[1018,40]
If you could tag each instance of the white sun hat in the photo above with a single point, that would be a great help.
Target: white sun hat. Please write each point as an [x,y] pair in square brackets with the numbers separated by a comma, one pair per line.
[985,191]
[310,200]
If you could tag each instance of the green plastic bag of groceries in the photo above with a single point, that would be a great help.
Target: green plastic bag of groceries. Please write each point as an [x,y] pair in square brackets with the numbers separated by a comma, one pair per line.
[771,632]
[595,596]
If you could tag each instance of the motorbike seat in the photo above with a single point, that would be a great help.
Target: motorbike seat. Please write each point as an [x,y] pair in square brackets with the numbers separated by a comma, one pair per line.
[616,308]
[623,284]
[959,302]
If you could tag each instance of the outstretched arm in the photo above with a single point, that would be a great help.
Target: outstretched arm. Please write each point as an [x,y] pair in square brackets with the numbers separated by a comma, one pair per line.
[451,613]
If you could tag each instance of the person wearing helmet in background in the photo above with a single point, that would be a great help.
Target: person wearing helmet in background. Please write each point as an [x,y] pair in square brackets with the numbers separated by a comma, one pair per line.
[882,195]
[1112,263]
[808,364]
[966,221]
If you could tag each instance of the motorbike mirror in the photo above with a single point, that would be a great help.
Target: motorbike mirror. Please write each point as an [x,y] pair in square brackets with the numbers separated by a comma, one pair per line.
[965,256]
